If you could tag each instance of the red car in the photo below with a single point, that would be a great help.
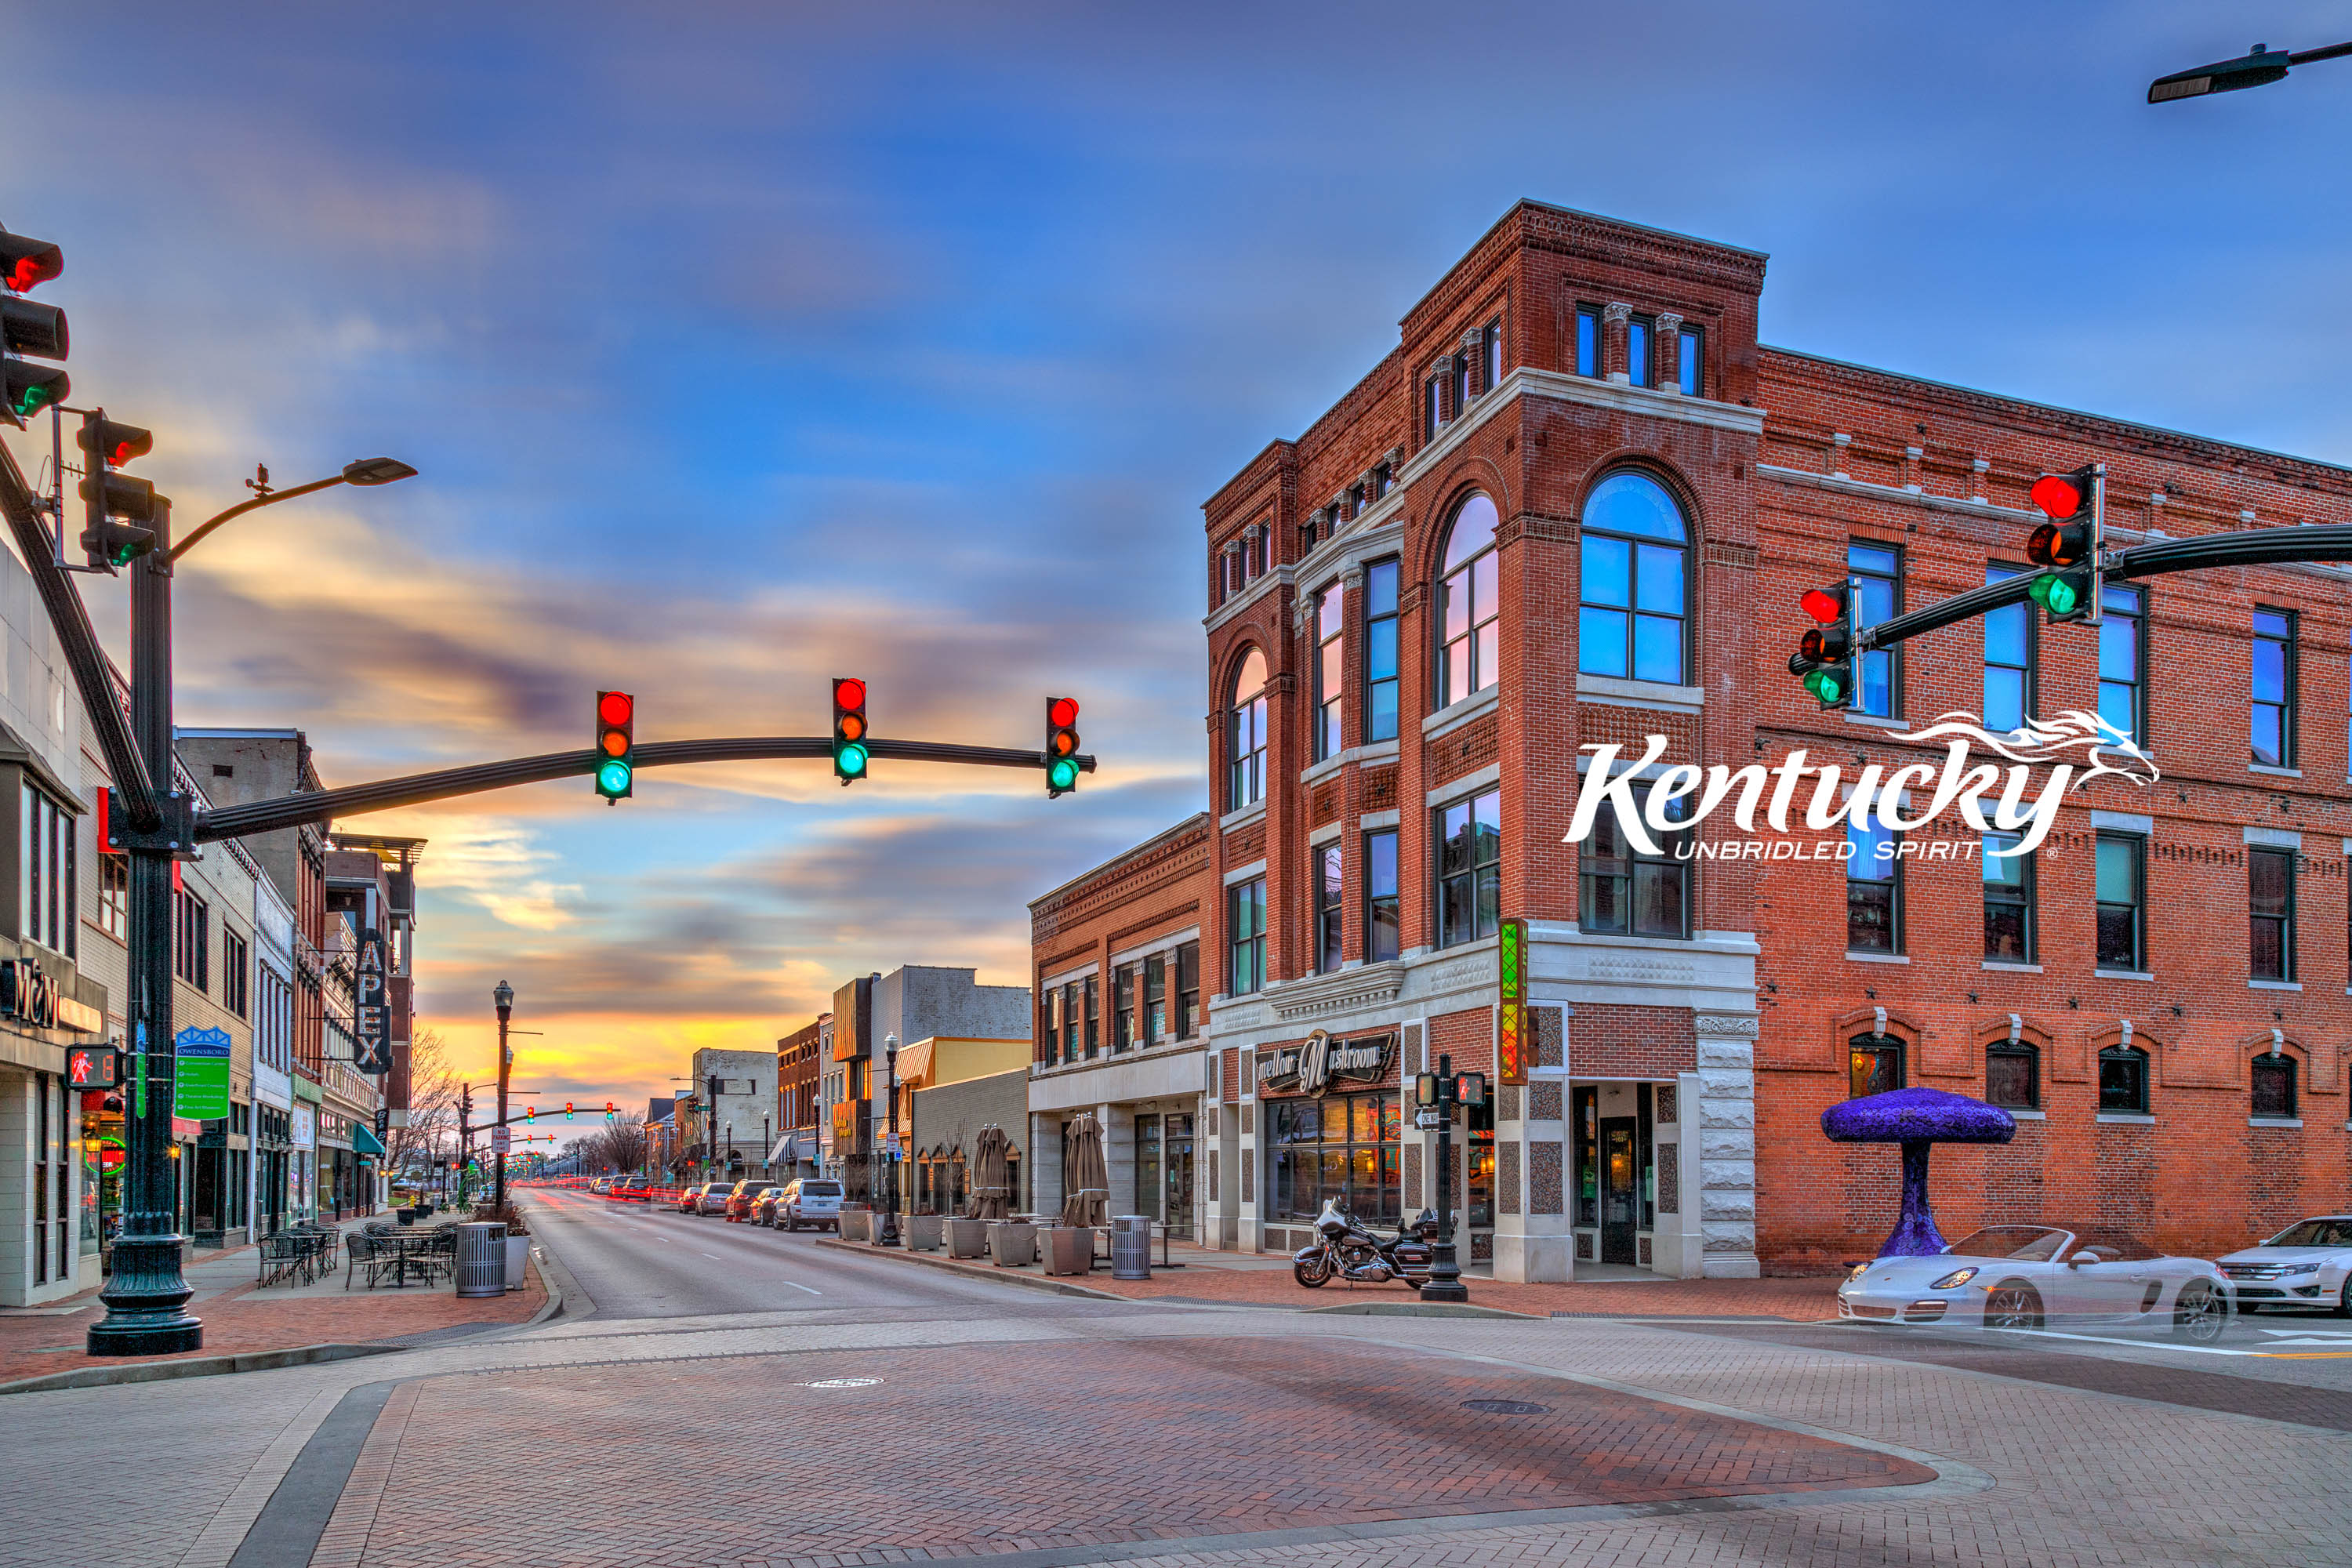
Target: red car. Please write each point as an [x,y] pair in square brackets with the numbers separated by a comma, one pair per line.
[746,1194]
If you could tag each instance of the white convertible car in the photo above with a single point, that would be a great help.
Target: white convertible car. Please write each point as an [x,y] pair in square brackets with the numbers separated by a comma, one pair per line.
[2027,1275]
[2308,1264]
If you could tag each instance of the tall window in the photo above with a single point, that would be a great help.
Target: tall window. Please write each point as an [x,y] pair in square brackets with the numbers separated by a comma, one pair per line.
[1245,734]
[1689,362]
[2008,660]
[1469,869]
[2123,1080]
[1327,908]
[1094,1015]
[47,883]
[235,968]
[1432,408]
[1621,889]
[1467,658]
[2273,1085]
[1339,1148]
[2270,905]
[1877,571]
[1492,340]
[2007,901]
[114,895]
[2123,651]
[1122,1004]
[2121,927]
[1330,669]
[2014,1076]
[2273,688]
[1245,935]
[1637,351]
[1155,998]
[1588,341]
[1874,889]
[1636,562]
[1873,1065]
[1382,930]
[1380,651]
[1188,990]
[1464,384]
[192,940]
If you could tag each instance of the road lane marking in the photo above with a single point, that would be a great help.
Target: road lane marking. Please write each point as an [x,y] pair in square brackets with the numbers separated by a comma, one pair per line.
[798,1286]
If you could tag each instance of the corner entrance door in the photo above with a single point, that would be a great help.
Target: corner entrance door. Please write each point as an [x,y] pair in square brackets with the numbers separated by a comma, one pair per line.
[1176,1178]
[1620,1195]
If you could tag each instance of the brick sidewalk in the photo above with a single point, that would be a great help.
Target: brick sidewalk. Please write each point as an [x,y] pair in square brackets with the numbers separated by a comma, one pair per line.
[1796,1301]
[238,1321]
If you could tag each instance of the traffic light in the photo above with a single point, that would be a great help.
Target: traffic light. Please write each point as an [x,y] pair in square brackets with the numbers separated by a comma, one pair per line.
[567,1111]
[118,511]
[1061,746]
[1470,1088]
[849,740]
[1824,657]
[616,766]
[530,1113]
[26,328]
[2067,546]
[610,1114]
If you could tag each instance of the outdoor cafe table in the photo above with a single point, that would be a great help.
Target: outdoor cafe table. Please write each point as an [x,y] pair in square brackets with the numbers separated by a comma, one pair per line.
[408,1246]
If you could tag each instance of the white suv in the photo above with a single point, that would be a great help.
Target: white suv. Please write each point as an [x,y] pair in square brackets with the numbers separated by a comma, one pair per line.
[811,1200]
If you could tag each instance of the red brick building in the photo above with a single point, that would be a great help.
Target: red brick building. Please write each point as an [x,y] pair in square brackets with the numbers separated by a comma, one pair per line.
[1575,507]
[1117,983]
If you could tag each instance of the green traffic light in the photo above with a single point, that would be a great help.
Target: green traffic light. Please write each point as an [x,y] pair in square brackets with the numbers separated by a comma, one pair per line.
[2055,593]
[613,778]
[1063,774]
[1825,686]
[851,760]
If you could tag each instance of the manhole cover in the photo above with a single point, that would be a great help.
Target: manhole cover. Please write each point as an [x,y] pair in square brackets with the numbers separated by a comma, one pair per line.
[842,1383]
[1506,1406]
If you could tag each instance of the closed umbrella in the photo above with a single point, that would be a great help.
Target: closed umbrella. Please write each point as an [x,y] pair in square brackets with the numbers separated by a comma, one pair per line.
[1087,1176]
[988,1194]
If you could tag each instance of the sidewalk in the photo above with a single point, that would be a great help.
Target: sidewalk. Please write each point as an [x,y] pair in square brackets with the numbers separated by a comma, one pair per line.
[1263,1279]
[238,1317]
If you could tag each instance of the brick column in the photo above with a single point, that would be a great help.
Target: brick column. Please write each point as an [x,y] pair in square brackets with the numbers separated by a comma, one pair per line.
[1613,359]
[1666,350]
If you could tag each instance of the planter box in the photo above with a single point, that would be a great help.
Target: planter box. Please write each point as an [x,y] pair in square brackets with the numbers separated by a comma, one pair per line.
[518,1260]
[1012,1242]
[967,1237]
[926,1232]
[1068,1249]
[857,1224]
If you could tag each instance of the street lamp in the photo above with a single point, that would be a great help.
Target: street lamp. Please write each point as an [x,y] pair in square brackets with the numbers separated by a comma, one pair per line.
[366,471]
[504,997]
[890,1150]
[2260,67]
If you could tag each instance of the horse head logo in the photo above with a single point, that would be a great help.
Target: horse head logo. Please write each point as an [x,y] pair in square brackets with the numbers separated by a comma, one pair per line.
[2046,742]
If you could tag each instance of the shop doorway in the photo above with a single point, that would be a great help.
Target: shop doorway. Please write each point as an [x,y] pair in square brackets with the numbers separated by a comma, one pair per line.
[1620,1195]
[1163,1170]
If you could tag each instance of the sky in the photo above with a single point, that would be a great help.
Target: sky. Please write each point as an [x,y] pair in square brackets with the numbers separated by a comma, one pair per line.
[743,345]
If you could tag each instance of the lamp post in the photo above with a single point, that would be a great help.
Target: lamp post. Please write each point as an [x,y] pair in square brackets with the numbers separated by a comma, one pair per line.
[1445,1271]
[504,997]
[2258,68]
[890,1150]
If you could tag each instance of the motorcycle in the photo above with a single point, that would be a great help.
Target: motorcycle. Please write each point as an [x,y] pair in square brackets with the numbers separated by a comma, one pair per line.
[1353,1252]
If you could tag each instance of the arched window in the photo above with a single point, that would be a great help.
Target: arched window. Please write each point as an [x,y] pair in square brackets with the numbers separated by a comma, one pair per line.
[1873,1065]
[2274,1086]
[1245,734]
[2123,1080]
[1468,653]
[1631,621]
[2013,1075]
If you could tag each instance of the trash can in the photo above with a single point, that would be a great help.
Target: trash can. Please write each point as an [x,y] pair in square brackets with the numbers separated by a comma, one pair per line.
[481,1258]
[1130,1246]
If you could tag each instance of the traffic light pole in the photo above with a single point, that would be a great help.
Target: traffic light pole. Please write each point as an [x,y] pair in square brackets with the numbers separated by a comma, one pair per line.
[146,1295]
[1444,1270]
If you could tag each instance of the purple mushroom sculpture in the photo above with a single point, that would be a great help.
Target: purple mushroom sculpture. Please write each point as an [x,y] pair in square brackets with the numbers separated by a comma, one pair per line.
[1917,1118]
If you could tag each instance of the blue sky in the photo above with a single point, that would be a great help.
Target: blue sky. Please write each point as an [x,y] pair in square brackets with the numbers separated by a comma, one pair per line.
[742,346]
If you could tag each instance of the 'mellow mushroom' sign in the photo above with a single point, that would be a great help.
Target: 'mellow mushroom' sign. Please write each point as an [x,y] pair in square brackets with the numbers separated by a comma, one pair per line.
[1917,1118]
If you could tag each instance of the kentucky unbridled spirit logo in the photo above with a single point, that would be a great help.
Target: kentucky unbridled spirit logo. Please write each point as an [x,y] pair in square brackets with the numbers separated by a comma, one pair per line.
[1679,797]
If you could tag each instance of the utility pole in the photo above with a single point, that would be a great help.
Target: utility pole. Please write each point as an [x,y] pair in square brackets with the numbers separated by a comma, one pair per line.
[1445,1271]
[504,997]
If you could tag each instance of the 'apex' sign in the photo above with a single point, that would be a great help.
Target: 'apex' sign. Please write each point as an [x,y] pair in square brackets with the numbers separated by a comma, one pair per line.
[372,1007]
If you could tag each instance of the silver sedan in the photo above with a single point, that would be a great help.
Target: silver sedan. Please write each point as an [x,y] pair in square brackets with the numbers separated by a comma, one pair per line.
[2031,1276]
[2308,1265]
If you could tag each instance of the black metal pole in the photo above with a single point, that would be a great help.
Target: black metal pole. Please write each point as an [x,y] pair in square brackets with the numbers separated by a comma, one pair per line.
[499,1199]
[1444,1272]
[147,1296]
[889,1156]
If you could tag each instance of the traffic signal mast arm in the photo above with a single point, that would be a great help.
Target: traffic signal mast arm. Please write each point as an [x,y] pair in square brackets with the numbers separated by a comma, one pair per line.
[290,811]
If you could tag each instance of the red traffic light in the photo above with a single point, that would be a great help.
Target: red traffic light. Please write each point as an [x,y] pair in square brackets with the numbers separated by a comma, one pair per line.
[615,707]
[849,693]
[28,263]
[1823,605]
[1063,712]
[2059,495]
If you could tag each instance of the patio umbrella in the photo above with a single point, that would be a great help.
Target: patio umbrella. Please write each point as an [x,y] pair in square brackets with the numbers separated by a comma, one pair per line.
[1086,1175]
[988,1195]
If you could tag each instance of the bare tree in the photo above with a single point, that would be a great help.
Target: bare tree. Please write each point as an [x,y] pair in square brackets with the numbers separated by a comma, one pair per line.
[619,1146]
[430,1136]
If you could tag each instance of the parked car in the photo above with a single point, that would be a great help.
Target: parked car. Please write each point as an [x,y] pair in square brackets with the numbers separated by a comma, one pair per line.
[2027,1275]
[714,1197]
[2308,1265]
[689,1198]
[744,1196]
[763,1204]
[811,1200]
[601,1184]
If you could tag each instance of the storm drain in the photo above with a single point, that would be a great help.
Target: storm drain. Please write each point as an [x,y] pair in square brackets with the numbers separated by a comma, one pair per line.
[1506,1406]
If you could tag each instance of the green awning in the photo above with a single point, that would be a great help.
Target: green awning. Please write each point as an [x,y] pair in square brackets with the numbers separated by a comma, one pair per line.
[364,1141]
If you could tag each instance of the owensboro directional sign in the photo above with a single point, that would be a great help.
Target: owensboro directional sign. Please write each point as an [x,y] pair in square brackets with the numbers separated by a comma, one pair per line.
[199,1075]
[371,1007]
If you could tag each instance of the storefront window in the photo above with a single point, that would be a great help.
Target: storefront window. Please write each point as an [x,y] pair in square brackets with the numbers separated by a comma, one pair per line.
[1481,1207]
[1342,1147]
[1588,1157]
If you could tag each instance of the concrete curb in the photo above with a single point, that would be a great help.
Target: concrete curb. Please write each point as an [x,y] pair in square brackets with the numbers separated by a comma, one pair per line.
[988,1271]
[197,1366]
[1418,1310]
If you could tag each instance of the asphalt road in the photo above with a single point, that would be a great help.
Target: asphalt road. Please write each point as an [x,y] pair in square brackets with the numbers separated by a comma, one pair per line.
[641,1260]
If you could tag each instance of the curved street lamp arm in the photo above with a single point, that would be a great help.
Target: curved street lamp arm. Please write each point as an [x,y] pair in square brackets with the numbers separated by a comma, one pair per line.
[241,508]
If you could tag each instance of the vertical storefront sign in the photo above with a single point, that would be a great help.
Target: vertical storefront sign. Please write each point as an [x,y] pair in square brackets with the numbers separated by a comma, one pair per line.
[199,1075]
[372,1007]
[1511,1042]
